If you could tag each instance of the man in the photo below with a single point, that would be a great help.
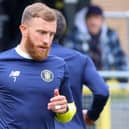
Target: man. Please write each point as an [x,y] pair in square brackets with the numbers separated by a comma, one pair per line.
[93,37]
[34,87]
[82,71]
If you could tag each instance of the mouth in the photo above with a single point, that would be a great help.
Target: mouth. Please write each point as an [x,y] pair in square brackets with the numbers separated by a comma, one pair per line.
[42,48]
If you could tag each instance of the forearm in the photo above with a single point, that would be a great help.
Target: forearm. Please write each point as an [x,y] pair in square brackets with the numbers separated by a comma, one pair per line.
[98,104]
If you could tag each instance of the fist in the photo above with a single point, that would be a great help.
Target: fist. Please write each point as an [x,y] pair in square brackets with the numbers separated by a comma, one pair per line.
[58,103]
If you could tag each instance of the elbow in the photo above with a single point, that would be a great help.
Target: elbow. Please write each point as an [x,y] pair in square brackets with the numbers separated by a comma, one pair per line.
[105,93]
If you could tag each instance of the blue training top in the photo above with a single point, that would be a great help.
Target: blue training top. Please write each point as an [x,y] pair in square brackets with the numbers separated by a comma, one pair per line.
[26,86]
[82,71]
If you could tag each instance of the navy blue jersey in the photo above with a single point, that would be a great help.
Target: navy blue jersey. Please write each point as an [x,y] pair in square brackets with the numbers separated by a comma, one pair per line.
[82,71]
[26,86]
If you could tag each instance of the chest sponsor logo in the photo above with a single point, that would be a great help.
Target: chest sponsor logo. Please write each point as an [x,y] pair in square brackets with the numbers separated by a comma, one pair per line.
[47,75]
[14,74]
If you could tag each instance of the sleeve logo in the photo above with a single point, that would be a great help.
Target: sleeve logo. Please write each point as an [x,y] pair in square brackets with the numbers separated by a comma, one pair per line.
[14,74]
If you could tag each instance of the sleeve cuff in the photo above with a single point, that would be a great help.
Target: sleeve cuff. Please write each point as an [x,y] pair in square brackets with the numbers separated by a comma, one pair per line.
[67,116]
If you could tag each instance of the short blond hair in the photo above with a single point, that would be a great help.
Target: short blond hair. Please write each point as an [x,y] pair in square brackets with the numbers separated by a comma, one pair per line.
[38,10]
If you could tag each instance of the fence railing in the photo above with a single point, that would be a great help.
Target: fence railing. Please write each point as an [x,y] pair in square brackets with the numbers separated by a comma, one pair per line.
[116,14]
[114,74]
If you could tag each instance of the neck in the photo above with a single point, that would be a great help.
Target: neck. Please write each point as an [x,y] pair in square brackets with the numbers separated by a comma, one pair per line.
[20,49]
[21,46]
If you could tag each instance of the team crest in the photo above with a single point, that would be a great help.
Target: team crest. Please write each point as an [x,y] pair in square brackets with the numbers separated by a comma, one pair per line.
[47,75]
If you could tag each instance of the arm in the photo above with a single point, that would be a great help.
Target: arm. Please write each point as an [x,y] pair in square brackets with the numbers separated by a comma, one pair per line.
[62,103]
[88,121]
[98,87]
[65,90]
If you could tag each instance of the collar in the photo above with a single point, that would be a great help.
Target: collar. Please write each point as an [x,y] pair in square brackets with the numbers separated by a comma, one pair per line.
[22,53]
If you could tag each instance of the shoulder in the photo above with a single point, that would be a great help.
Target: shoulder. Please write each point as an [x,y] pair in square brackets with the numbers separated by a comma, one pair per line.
[55,59]
[112,32]
[67,52]
[70,55]
[78,54]
[75,56]
[6,54]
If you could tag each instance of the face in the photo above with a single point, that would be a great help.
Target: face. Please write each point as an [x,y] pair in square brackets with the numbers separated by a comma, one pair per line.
[37,37]
[94,24]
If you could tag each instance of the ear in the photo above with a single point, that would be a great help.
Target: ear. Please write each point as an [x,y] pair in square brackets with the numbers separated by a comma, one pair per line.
[23,28]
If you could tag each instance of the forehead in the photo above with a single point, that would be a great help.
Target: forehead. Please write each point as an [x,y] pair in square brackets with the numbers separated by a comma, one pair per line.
[39,23]
[95,17]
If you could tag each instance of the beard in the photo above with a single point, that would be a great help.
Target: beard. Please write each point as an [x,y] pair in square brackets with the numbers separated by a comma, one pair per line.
[34,50]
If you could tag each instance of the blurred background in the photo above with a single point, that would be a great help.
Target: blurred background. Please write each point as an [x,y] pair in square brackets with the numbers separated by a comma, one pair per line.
[116,14]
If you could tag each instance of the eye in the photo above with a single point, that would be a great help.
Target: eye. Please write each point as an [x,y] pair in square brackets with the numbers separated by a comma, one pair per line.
[41,32]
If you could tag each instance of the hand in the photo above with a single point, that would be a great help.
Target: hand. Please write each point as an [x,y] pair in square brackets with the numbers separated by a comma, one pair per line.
[87,120]
[58,103]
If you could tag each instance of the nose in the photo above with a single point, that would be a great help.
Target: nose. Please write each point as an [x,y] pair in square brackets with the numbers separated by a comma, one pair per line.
[46,39]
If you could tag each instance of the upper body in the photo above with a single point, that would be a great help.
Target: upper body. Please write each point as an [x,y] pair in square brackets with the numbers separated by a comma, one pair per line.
[97,40]
[26,87]
[35,104]
[82,71]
